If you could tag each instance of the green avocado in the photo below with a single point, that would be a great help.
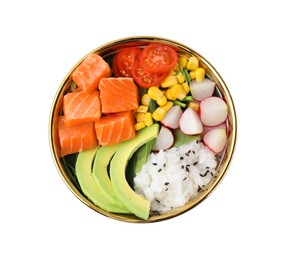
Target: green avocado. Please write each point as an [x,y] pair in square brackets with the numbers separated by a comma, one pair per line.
[89,186]
[100,172]
[134,202]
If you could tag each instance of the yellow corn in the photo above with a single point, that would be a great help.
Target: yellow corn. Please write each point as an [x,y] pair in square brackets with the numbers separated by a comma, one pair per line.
[192,74]
[167,106]
[199,74]
[169,81]
[177,67]
[169,95]
[140,117]
[148,119]
[142,109]
[162,100]
[180,78]
[155,93]
[172,73]
[193,63]
[183,62]
[178,91]
[194,106]
[159,114]
[186,87]
[139,126]
[146,100]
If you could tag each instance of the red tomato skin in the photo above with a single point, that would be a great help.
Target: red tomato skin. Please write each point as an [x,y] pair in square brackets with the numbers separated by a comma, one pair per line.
[144,78]
[125,59]
[158,58]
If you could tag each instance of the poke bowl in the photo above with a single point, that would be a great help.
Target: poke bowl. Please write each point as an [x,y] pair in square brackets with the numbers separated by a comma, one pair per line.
[142,129]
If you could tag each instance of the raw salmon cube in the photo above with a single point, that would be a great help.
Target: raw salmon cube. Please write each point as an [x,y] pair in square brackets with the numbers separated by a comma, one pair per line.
[81,107]
[118,95]
[88,74]
[115,128]
[76,138]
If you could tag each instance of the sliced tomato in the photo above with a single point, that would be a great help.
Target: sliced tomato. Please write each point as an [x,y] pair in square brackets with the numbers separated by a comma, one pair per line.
[144,78]
[124,60]
[158,58]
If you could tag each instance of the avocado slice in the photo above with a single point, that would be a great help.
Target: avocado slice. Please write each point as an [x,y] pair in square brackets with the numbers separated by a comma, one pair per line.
[100,172]
[134,202]
[88,185]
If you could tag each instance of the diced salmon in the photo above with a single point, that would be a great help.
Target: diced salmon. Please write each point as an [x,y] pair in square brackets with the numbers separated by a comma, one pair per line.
[76,138]
[115,128]
[118,94]
[88,74]
[81,107]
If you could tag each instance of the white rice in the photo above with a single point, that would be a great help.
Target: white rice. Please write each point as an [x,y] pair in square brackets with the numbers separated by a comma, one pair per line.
[169,179]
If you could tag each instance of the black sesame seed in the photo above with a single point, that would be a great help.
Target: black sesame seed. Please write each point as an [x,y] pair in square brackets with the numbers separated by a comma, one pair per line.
[164,165]
[181,158]
[166,189]
[154,164]
[182,167]
[195,163]
[184,178]
[193,152]
[157,200]
[166,183]
[187,169]
[199,189]
[160,170]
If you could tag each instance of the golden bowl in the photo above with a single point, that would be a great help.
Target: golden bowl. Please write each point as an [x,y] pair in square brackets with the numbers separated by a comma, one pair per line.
[107,51]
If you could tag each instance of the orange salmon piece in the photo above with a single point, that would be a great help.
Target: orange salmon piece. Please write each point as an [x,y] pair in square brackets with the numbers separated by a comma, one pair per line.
[88,74]
[118,95]
[115,128]
[81,107]
[76,138]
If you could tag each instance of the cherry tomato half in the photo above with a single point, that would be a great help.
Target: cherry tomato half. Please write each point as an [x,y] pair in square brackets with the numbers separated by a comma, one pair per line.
[158,58]
[144,78]
[124,61]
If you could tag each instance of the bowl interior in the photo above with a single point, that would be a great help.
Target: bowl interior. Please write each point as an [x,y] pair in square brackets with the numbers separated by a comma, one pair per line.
[107,51]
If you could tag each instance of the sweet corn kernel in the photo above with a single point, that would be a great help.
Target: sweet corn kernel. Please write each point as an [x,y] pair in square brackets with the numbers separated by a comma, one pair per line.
[162,101]
[167,106]
[180,78]
[146,100]
[172,73]
[193,63]
[186,87]
[159,114]
[142,109]
[194,106]
[178,91]
[139,126]
[140,117]
[155,93]
[177,67]
[192,74]
[169,95]
[183,62]
[199,74]
[169,81]
[148,119]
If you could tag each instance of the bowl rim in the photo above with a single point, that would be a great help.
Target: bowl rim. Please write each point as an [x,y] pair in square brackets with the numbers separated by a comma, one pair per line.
[106,49]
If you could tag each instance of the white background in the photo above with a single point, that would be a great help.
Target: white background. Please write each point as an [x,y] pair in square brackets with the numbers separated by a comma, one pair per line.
[246,216]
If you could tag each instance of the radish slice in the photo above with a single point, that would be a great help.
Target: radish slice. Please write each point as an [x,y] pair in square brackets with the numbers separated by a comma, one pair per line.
[203,89]
[213,111]
[164,140]
[172,117]
[190,122]
[216,139]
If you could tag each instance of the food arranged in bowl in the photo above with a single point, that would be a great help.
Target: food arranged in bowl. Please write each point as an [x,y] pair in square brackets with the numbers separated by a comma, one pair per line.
[142,129]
